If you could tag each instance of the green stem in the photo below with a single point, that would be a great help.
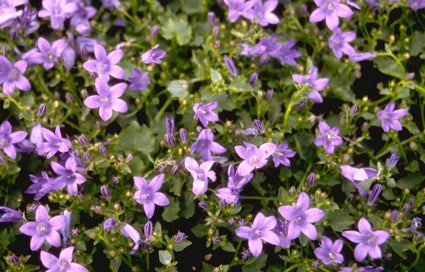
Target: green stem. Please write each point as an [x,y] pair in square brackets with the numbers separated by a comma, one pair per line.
[163,108]
[286,116]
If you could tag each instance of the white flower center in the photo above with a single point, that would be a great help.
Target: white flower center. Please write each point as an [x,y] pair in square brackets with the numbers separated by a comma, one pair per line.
[42,228]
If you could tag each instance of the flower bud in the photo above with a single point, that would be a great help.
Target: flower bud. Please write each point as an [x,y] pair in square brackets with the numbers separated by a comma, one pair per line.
[87,157]
[41,110]
[212,19]
[183,135]
[253,78]
[148,229]
[311,179]
[83,140]
[154,31]
[106,193]
[179,237]
[203,205]
[169,139]
[230,66]
[102,150]
[394,216]
[376,190]
[259,126]
[270,94]
[115,180]
[392,160]
[109,224]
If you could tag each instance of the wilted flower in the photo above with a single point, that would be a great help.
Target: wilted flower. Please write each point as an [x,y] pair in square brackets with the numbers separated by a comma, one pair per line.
[148,195]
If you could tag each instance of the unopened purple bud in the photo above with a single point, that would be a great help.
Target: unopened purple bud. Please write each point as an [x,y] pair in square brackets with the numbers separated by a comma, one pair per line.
[203,205]
[83,140]
[311,179]
[394,216]
[106,193]
[270,94]
[230,66]
[392,160]
[109,224]
[115,180]
[102,150]
[183,135]
[3,160]
[353,110]
[212,19]
[9,215]
[411,202]
[215,240]
[416,223]
[174,169]
[292,190]
[365,126]
[245,254]
[406,208]
[67,227]
[410,76]
[253,78]
[148,229]
[129,158]
[376,190]
[180,236]
[13,259]
[154,31]
[300,105]
[169,125]
[87,157]
[69,98]
[41,109]
[217,43]
[169,139]
[263,60]
[315,264]
[259,126]
[304,10]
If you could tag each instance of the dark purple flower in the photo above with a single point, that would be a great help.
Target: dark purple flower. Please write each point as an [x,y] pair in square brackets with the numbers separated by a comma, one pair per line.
[55,143]
[357,175]
[11,76]
[367,240]
[139,81]
[339,43]
[260,230]
[63,263]
[153,55]
[239,8]
[264,12]
[58,11]
[205,145]
[389,117]
[108,99]
[300,217]
[200,173]
[317,84]
[106,193]
[204,113]
[235,182]
[44,228]
[66,227]
[329,137]
[330,10]
[230,66]
[8,139]
[9,215]
[147,194]
[329,252]
[253,157]
[281,155]
[68,175]
[48,54]
[183,135]
[105,65]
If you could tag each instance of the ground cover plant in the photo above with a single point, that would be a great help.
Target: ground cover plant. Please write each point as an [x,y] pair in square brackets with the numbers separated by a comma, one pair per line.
[228,135]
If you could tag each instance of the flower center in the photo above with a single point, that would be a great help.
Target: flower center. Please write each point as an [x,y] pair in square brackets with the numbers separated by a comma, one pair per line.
[254,160]
[4,141]
[104,99]
[50,56]
[43,228]
[330,6]
[102,67]
[331,256]
[144,196]
[257,232]
[14,74]
[329,136]
[63,265]
[372,239]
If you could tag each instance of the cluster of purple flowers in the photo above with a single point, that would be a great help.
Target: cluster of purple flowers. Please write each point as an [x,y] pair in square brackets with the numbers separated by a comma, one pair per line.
[253,10]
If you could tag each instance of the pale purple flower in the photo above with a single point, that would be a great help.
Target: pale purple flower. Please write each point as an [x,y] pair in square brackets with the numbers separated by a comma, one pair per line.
[317,84]
[105,65]
[264,12]
[205,145]
[147,194]
[339,43]
[42,186]
[139,81]
[253,157]
[288,53]
[239,8]
[204,113]
[200,174]
[48,54]
[357,175]
[8,12]
[109,224]
[9,215]
[330,10]
[153,55]
[11,76]
[63,263]
[66,227]
[130,232]
[68,175]
[357,57]
[8,139]
[367,240]
[281,155]
[416,4]
[230,64]
[55,143]
[58,11]
[235,182]
[300,217]
[81,18]
[389,117]
[329,252]
[329,137]
[362,269]
[44,228]
[108,99]
[392,160]
[109,4]
[260,230]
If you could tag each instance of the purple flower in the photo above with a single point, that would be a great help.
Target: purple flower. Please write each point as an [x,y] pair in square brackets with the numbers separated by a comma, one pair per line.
[105,65]
[329,252]
[43,229]
[49,54]
[389,117]
[230,64]
[329,137]
[287,53]
[416,223]
[392,160]
[81,18]
[317,84]
[235,182]
[109,224]
[367,240]
[8,215]
[108,99]
[130,232]
[260,230]
[63,263]
[330,10]
[361,56]
[148,195]
[58,11]
[339,43]
[205,145]
[281,155]
[109,4]
[11,76]
[264,12]
[357,175]
[204,113]
[300,217]
[373,196]
[68,175]
[239,8]
[416,4]
[139,81]
[42,186]
[361,269]
[281,231]
[54,143]
[8,139]
[200,173]
[153,55]
[253,157]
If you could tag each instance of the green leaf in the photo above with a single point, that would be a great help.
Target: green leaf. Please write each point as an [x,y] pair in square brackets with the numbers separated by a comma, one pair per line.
[137,138]
[171,212]
[256,265]
[191,6]
[400,247]
[365,184]
[178,28]
[178,88]
[199,230]
[339,220]
[417,44]
[188,206]
[116,263]
[165,257]
[228,247]
[182,245]
[215,76]
[412,181]
[388,66]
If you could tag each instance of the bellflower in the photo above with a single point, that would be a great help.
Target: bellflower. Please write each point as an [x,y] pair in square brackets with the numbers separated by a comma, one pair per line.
[281,230]
[205,145]
[139,81]
[58,11]
[8,139]
[239,8]
[235,182]
[416,4]
[148,195]
[287,53]
[357,175]
[204,113]
[389,117]
[108,99]
[9,215]
[339,43]
[130,232]
[329,252]
[260,230]
[367,240]
[200,173]
[105,65]
[54,143]
[330,10]
[264,12]
[11,76]
[44,228]
[281,155]
[329,137]
[8,12]
[253,157]
[63,263]
[48,54]
[68,175]
[317,84]
[153,55]
[300,217]
[81,18]
[42,186]
[109,4]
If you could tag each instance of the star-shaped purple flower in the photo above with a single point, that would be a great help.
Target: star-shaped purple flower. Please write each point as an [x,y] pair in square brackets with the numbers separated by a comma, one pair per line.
[264,12]
[105,65]
[108,99]
[389,117]
[63,263]
[8,139]
[329,252]
[44,228]
[200,173]
[55,143]
[58,11]
[253,157]
[153,55]
[147,194]
[300,217]
[281,155]
[204,113]
[239,8]
[339,43]
[235,182]
[49,54]
[317,84]
[11,76]
[357,175]
[205,145]
[330,10]
[139,81]
[260,230]
[68,175]
[367,240]
[329,137]
[42,186]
